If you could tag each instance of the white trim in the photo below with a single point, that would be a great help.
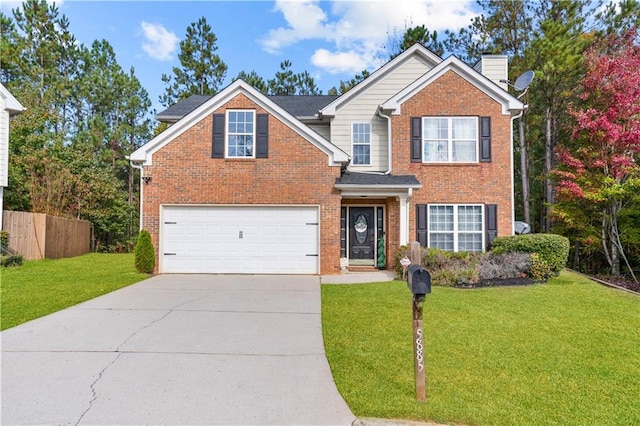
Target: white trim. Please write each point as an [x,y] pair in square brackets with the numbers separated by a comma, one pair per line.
[455,231]
[376,230]
[10,103]
[161,222]
[450,140]
[404,220]
[227,133]
[144,154]
[510,104]
[415,50]
[360,143]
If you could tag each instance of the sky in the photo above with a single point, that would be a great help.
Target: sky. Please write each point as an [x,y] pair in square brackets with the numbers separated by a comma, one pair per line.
[332,40]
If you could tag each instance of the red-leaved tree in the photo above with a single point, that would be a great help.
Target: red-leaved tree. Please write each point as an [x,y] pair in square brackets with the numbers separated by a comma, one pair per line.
[600,168]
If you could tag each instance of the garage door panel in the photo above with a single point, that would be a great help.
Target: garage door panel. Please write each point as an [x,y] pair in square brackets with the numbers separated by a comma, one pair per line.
[215,239]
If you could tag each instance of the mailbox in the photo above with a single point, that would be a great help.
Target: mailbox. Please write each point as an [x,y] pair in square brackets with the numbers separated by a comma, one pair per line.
[418,281]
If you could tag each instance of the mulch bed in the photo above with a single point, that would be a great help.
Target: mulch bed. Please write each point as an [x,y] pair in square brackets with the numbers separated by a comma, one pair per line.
[620,282]
[499,282]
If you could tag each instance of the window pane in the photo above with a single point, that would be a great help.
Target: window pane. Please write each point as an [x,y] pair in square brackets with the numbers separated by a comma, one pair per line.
[464,151]
[441,218]
[469,218]
[464,128]
[441,241]
[436,151]
[361,154]
[361,138]
[240,128]
[435,128]
[470,242]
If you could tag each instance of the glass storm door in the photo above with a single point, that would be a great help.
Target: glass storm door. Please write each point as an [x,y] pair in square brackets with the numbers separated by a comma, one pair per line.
[362,236]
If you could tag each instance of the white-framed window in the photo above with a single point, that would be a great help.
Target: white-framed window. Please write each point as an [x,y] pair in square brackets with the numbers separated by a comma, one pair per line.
[241,132]
[450,139]
[456,227]
[361,144]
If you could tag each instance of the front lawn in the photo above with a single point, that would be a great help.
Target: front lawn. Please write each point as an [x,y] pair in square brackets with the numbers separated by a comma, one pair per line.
[560,353]
[41,287]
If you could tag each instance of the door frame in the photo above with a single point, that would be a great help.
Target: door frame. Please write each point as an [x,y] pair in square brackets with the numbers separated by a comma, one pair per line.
[376,230]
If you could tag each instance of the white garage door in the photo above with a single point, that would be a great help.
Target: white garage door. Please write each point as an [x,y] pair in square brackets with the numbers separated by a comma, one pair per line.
[244,240]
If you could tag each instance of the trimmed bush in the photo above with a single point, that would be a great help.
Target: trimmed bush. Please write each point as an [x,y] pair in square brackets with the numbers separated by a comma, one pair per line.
[11,260]
[472,269]
[552,250]
[145,256]
[4,239]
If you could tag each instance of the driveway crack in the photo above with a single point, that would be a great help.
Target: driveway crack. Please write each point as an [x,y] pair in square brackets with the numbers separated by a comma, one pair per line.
[94,395]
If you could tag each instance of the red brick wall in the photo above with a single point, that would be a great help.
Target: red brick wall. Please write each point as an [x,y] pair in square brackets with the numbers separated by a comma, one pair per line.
[490,183]
[296,172]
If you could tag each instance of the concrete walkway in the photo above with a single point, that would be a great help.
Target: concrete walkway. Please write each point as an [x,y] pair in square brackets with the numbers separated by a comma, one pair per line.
[177,349]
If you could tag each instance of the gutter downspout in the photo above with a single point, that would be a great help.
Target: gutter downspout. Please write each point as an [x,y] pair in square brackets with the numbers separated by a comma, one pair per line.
[513,197]
[139,167]
[388,118]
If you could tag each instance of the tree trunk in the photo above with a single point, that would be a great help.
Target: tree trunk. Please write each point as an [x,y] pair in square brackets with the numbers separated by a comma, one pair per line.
[615,260]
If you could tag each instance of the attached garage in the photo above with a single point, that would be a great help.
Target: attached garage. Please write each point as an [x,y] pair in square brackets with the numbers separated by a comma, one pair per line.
[239,239]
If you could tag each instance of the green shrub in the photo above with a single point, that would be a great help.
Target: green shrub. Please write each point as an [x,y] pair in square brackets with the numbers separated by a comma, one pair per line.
[552,250]
[4,239]
[145,257]
[11,260]
[468,269]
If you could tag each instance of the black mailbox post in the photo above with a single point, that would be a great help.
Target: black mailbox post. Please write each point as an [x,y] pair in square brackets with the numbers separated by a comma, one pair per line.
[419,282]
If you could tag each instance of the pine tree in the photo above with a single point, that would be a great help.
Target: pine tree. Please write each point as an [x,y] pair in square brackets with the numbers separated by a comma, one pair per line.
[201,71]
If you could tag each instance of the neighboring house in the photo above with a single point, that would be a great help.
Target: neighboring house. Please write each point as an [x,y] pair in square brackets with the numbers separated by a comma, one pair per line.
[246,183]
[9,106]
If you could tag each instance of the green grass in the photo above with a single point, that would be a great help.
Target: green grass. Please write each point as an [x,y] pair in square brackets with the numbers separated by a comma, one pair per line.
[561,353]
[41,287]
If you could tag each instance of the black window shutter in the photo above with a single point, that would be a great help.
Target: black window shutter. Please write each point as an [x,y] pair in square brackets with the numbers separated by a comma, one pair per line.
[491,222]
[416,139]
[262,135]
[421,224]
[485,139]
[217,144]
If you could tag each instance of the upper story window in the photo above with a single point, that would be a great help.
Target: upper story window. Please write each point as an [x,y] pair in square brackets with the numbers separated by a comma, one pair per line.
[361,144]
[449,139]
[240,133]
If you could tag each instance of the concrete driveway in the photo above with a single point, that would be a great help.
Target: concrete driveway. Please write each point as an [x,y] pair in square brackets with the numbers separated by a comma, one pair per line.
[177,349]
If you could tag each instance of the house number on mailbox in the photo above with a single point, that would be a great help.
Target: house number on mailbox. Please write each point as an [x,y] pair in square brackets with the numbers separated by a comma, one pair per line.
[419,349]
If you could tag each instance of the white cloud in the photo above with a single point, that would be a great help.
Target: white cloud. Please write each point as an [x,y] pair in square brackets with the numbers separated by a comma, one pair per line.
[159,43]
[358,30]
[339,62]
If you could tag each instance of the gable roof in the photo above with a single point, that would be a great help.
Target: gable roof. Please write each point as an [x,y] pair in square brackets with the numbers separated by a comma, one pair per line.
[144,154]
[301,106]
[178,110]
[10,103]
[509,103]
[415,50]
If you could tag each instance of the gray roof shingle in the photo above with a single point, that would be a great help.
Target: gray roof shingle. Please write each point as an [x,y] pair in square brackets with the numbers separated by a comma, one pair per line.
[351,178]
[297,105]
[176,111]
[303,105]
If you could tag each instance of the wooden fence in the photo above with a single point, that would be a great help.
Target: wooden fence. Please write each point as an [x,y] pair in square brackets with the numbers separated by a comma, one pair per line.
[38,236]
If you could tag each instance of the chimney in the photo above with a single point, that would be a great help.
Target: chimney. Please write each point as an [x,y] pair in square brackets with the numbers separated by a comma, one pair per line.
[494,67]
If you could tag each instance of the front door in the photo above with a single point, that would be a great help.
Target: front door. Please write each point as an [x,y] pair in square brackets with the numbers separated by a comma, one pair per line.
[362,235]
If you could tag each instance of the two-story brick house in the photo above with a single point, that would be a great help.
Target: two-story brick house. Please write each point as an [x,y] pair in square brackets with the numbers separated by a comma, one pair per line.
[421,150]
